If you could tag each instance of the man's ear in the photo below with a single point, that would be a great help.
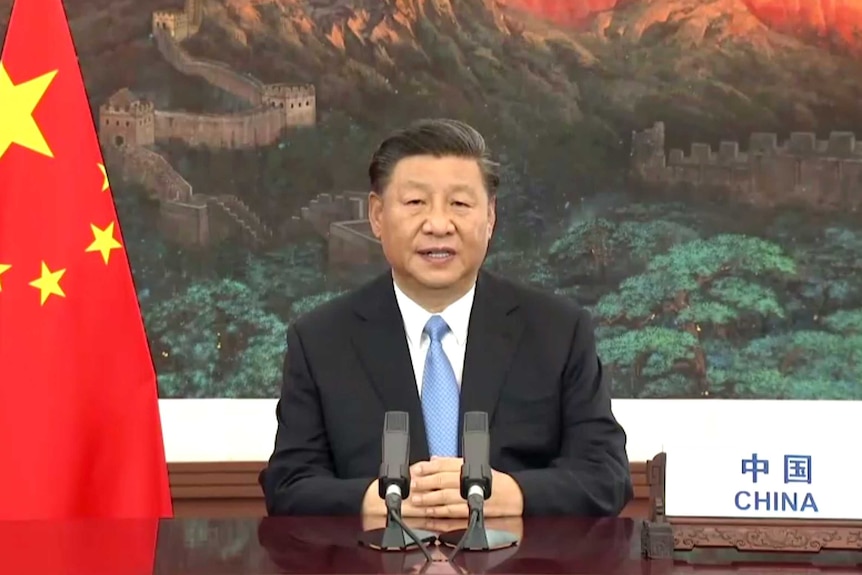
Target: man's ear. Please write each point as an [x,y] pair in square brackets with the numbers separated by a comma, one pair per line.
[375,213]
[492,216]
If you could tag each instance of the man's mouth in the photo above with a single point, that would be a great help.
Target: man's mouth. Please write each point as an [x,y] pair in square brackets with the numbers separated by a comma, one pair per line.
[437,253]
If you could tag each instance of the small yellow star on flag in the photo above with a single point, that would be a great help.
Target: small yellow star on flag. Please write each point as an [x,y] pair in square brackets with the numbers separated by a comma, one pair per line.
[105,183]
[103,241]
[16,113]
[3,269]
[49,283]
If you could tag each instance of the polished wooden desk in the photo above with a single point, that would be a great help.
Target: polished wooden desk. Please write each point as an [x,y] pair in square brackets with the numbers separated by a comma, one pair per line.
[317,546]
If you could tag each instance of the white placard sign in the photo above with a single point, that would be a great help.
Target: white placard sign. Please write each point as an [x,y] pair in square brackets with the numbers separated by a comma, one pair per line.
[756,481]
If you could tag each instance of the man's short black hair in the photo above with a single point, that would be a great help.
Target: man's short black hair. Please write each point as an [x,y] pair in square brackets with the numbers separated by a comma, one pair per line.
[434,137]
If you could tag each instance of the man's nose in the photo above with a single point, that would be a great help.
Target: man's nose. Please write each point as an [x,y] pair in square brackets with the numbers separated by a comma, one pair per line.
[439,221]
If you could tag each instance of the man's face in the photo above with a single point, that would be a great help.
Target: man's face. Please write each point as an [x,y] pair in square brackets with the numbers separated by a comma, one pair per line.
[435,221]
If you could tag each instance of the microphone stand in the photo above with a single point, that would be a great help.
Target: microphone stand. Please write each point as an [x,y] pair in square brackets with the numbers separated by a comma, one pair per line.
[476,537]
[476,479]
[393,483]
[397,536]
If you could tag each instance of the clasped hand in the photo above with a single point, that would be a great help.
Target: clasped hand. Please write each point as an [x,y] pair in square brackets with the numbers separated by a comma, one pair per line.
[435,491]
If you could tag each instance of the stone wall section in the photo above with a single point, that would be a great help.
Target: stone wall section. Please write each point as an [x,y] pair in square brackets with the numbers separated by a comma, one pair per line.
[130,129]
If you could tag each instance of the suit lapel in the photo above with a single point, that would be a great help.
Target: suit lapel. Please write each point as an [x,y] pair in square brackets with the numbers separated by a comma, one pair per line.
[492,339]
[379,338]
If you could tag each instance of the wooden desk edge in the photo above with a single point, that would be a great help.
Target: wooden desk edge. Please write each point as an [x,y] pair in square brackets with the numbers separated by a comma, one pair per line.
[230,489]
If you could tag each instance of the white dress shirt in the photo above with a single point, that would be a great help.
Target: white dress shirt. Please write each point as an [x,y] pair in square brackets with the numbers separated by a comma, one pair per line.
[457,316]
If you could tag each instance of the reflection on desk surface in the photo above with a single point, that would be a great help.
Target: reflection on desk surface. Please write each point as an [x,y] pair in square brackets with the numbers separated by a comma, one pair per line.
[318,546]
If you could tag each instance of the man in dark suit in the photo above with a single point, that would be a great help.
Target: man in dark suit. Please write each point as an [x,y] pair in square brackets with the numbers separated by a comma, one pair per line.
[437,336]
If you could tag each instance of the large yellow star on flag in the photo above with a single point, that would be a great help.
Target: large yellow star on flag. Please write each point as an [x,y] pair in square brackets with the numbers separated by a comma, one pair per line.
[17,103]
[49,283]
[3,269]
[104,241]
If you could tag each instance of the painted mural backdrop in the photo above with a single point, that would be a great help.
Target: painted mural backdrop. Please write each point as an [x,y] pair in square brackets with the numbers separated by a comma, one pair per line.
[686,169]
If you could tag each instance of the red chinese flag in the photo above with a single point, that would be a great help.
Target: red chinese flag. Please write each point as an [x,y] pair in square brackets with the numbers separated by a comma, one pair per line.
[80,432]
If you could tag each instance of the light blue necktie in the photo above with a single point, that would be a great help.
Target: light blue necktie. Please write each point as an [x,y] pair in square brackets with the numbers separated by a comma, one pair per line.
[440,394]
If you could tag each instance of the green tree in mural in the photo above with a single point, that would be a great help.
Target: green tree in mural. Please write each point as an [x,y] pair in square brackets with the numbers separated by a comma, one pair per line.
[285,274]
[654,328]
[804,364]
[829,271]
[595,254]
[527,266]
[158,268]
[216,339]
[600,245]
[226,337]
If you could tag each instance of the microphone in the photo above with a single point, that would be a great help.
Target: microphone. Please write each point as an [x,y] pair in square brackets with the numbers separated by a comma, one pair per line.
[476,477]
[394,485]
[394,477]
[476,469]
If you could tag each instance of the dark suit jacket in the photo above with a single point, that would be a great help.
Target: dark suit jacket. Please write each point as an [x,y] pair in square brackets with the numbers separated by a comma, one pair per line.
[530,363]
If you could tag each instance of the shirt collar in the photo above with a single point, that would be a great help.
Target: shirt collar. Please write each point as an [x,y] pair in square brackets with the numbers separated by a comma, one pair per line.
[457,316]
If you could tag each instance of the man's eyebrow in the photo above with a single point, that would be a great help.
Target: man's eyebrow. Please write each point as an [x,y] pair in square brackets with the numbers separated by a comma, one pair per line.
[427,187]
[416,184]
[461,188]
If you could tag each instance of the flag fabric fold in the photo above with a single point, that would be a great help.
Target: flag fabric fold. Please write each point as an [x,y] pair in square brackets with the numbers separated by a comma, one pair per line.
[80,431]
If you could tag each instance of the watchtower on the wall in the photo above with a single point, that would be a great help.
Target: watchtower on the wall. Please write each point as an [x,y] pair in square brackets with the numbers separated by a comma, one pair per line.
[176,24]
[126,120]
[299,102]
[648,154]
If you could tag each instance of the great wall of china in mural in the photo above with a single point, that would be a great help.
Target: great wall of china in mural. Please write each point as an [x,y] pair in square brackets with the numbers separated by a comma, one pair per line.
[130,127]
[800,172]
